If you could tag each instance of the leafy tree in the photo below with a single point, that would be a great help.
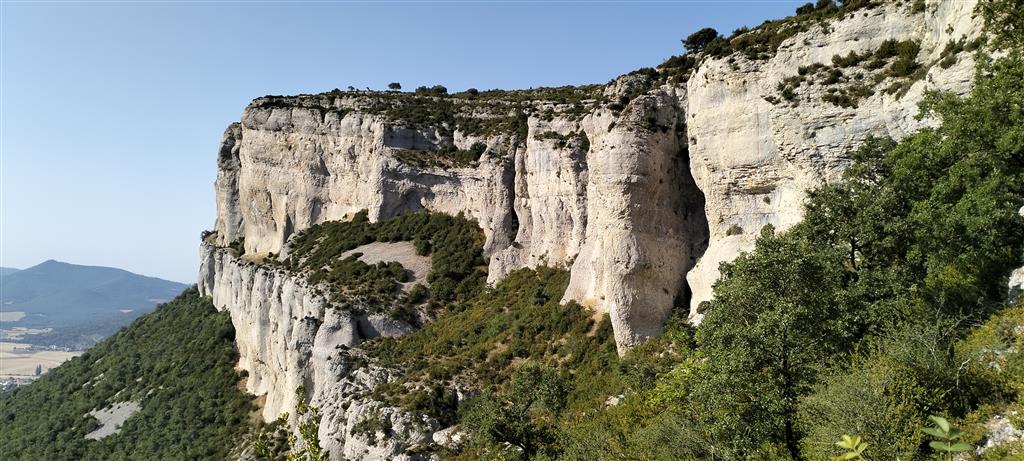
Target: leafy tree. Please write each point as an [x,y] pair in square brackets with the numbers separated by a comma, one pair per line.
[825,4]
[778,316]
[935,214]
[309,427]
[697,41]
[394,86]
[521,415]
[805,8]
[436,90]
[1004,19]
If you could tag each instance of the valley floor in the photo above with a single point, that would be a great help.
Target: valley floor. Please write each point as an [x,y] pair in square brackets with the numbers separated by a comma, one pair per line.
[19,360]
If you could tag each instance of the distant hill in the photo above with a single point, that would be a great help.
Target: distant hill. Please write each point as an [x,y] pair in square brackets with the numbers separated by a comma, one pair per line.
[7,271]
[89,301]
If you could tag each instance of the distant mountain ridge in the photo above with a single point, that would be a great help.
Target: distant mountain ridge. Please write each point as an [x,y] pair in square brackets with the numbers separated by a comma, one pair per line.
[96,299]
[7,271]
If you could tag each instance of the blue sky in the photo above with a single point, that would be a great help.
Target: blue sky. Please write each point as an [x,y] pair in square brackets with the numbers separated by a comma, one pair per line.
[111,113]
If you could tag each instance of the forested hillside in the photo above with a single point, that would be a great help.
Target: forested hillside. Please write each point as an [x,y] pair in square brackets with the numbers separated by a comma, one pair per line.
[177,363]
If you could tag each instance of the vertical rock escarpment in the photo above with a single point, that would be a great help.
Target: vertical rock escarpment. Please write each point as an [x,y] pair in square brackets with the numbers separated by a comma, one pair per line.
[645,216]
[549,197]
[229,213]
[300,165]
[606,193]
[758,141]
[288,335]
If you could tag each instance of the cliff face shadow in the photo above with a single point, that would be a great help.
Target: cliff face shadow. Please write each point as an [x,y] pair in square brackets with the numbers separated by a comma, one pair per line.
[696,228]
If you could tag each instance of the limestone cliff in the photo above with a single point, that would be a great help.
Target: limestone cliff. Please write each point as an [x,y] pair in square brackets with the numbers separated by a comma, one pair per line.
[608,193]
[641,187]
[754,154]
[288,336]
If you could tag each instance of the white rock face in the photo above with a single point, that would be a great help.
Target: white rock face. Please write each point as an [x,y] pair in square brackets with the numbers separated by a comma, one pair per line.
[299,166]
[549,201]
[754,160]
[644,216]
[288,336]
[609,196]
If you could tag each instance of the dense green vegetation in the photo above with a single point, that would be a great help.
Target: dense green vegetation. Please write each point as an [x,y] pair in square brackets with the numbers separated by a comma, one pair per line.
[860,320]
[480,346]
[454,243]
[177,362]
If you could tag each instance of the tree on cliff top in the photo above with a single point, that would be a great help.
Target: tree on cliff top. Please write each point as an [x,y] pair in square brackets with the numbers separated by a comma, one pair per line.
[699,40]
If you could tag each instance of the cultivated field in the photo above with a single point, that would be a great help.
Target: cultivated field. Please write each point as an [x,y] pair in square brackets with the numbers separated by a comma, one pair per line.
[19,360]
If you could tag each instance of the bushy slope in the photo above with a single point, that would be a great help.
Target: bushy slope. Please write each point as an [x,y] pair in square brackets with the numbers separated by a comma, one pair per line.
[177,362]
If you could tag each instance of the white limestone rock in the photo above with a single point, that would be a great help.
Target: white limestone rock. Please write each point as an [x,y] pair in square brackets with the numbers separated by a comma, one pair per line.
[644,216]
[755,160]
[556,198]
[288,335]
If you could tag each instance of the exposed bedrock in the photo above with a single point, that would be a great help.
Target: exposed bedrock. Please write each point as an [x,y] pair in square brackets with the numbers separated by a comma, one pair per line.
[288,335]
[607,194]
[755,154]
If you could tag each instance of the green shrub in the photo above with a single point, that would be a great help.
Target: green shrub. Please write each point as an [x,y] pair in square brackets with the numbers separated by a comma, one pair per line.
[698,41]
[906,59]
[521,318]
[878,398]
[994,357]
[886,49]
[851,59]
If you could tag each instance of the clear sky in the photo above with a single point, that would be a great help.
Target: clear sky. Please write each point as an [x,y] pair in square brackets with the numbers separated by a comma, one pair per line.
[111,112]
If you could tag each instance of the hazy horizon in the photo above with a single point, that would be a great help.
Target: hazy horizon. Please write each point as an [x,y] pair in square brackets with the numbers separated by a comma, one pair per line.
[112,112]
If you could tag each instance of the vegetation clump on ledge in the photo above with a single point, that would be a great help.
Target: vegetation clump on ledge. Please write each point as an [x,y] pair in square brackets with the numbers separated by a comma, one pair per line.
[762,42]
[454,243]
[447,157]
